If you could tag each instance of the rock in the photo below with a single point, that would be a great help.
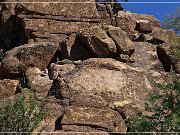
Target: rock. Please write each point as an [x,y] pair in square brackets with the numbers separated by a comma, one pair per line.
[145,56]
[143,26]
[164,35]
[59,70]
[73,49]
[110,79]
[92,118]
[49,124]
[8,88]
[127,23]
[94,101]
[60,8]
[124,44]
[39,82]
[98,42]
[153,21]
[18,59]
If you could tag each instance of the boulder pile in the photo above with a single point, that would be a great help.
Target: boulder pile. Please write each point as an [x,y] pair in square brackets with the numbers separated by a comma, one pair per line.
[93,72]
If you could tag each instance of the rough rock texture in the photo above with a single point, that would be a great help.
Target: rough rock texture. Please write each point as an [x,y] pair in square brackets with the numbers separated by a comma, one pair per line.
[97,40]
[104,120]
[56,70]
[8,88]
[18,59]
[145,56]
[110,79]
[124,44]
[39,82]
[94,65]
[74,49]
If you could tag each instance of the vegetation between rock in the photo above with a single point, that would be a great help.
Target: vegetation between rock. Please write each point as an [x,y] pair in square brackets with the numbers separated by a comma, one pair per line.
[23,114]
[163,110]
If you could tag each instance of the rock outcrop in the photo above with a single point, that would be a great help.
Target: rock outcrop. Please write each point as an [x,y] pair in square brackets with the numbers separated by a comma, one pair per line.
[93,65]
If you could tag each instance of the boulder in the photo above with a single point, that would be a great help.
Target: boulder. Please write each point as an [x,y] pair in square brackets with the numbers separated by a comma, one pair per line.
[153,21]
[39,82]
[109,79]
[18,59]
[98,42]
[145,56]
[56,70]
[166,36]
[124,44]
[143,26]
[8,88]
[88,118]
[127,23]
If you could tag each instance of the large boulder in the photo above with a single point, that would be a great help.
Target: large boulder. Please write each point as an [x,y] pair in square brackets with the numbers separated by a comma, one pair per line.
[112,80]
[92,119]
[123,43]
[18,59]
[145,56]
[98,42]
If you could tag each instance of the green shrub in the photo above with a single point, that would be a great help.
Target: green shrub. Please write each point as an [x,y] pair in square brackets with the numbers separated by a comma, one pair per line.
[163,108]
[22,115]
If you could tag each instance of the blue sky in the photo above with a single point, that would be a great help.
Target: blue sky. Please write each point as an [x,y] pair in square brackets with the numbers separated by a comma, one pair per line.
[159,10]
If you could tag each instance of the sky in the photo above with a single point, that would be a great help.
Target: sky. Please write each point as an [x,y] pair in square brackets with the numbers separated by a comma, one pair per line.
[159,10]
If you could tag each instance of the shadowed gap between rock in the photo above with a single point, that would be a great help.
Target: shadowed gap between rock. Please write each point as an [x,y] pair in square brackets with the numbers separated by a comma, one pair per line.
[165,60]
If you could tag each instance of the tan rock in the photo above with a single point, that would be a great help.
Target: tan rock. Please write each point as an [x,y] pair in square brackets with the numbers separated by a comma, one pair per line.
[145,56]
[98,42]
[8,88]
[39,82]
[104,120]
[143,27]
[59,70]
[123,43]
[110,79]
[18,59]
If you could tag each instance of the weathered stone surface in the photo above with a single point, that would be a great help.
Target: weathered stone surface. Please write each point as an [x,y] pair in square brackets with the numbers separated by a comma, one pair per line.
[110,79]
[145,56]
[98,42]
[123,43]
[153,21]
[104,120]
[127,23]
[85,100]
[61,8]
[8,88]
[143,26]
[55,112]
[163,35]
[74,49]
[56,70]
[39,82]
[18,59]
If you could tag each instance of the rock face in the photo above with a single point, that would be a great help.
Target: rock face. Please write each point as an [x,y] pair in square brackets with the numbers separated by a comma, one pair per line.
[8,88]
[92,64]
[18,59]
[98,42]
